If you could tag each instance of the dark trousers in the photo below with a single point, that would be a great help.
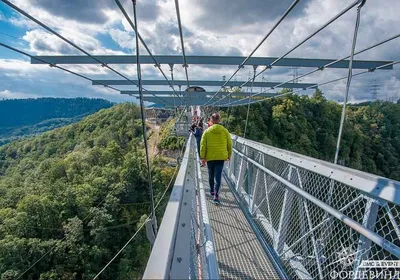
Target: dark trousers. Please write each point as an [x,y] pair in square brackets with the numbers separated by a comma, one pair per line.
[198,139]
[215,173]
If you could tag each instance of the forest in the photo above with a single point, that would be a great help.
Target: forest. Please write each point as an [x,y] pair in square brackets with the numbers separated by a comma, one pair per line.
[24,117]
[310,125]
[78,192]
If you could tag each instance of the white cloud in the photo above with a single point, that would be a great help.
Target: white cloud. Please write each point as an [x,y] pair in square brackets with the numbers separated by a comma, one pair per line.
[123,38]
[6,94]
[207,34]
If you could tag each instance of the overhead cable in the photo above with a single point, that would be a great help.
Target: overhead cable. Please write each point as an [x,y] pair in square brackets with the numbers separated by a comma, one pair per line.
[322,67]
[70,43]
[156,63]
[241,65]
[185,65]
[56,66]
[321,84]
[349,77]
[305,40]
[139,75]
[61,68]
[248,105]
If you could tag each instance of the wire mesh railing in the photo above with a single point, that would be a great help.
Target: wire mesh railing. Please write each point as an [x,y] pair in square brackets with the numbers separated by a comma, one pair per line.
[184,246]
[322,220]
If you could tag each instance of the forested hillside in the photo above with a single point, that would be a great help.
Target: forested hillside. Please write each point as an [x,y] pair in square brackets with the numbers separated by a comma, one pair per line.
[310,125]
[22,117]
[82,190]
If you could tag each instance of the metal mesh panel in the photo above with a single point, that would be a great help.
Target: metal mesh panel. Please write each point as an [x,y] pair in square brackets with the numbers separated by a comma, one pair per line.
[310,242]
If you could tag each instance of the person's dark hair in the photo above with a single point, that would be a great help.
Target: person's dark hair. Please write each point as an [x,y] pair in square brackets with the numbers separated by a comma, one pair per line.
[200,124]
[215,118]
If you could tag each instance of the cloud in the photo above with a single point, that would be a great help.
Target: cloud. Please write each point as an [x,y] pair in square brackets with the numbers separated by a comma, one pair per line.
[22,80]
[210,28]
[95,12]
[123,38]
[44,43]
[231,15]
[6,94]
[79,10]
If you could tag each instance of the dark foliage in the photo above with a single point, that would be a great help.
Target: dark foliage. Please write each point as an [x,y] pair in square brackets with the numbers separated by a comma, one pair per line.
[310,125]
[83,190]
[24,117]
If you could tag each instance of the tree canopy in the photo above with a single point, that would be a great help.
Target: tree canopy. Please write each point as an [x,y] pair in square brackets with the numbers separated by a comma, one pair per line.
[310,125]
[81,190]
[24,117]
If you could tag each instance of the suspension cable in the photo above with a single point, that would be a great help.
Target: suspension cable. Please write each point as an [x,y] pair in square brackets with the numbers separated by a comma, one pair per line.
[156,64]
[325,83]
[56,66]
[185,65]
[241,65]
[348,8]
[349,76]
[248,105]
[52,65]
[72,44]
[171,69]
[321,68]
[305,40]
[144,223]
[139,74]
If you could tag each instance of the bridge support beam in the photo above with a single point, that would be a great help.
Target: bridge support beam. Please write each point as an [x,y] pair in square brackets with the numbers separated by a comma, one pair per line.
[364,244]
[285,215]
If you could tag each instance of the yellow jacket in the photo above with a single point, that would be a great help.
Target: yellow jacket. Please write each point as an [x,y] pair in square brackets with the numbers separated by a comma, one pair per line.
[216,143]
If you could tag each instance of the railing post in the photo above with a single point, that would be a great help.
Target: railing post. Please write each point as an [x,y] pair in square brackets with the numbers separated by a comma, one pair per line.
[285,215]
[241,170]
[249,181]
[232,162]
[364,244]
[254,193]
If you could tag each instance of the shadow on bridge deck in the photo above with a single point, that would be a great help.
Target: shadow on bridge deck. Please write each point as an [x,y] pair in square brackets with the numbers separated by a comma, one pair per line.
[239,253]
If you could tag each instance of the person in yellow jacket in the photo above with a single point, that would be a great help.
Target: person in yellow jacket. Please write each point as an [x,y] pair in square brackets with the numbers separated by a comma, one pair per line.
[215,148]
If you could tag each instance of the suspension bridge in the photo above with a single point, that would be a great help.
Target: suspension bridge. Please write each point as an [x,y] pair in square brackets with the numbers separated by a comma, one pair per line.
[283,215]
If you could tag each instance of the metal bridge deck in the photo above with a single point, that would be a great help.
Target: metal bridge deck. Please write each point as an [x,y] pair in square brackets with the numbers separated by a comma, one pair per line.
[239,253]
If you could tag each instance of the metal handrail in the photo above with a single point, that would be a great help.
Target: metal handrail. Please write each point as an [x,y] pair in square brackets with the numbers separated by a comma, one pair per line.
[319,217]
[392,248]
[175,253]
[370,184]
[159,263]
[211,258]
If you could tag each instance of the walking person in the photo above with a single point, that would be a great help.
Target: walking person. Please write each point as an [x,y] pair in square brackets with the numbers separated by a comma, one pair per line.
[215,148]
[198,132]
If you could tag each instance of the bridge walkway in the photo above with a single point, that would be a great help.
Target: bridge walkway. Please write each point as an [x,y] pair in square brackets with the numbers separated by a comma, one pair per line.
[239,252]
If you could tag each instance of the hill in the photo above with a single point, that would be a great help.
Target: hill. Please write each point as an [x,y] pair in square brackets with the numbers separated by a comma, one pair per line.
[24,117]
[81,190]
[310,125]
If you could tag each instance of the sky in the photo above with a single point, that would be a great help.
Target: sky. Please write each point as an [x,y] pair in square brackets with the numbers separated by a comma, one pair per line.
[210,27]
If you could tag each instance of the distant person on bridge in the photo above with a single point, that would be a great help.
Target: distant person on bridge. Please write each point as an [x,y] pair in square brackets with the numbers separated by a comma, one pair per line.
[215,148]
[198,132]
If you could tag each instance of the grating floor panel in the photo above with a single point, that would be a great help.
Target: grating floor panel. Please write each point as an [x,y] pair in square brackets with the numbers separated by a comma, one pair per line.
[239,253]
